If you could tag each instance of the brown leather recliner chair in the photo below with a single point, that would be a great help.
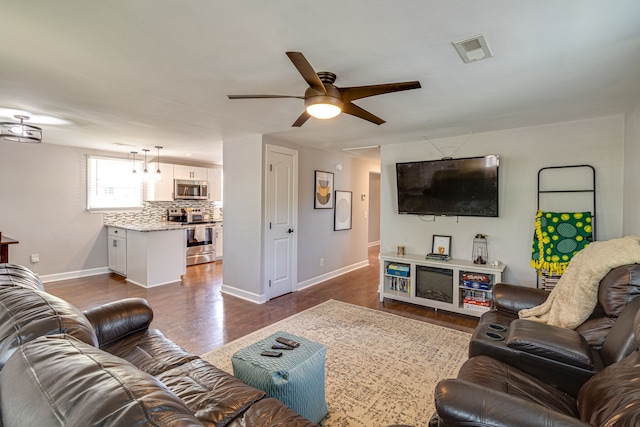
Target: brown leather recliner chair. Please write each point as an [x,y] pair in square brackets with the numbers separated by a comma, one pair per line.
[489,392]
[546,351]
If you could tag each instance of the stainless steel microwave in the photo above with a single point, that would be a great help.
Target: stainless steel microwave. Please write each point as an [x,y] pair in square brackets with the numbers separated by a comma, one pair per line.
[190,189]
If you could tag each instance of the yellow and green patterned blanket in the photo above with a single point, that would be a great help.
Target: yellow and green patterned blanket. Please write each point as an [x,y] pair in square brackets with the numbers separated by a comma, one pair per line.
[558,237]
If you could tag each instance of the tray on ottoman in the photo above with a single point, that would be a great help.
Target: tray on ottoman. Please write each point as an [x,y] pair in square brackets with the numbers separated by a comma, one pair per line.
[296,378]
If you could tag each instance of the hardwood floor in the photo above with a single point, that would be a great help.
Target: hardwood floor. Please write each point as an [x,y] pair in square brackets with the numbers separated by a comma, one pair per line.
[197,316]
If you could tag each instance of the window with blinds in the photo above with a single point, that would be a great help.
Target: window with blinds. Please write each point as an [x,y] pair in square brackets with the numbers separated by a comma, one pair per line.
[112,185]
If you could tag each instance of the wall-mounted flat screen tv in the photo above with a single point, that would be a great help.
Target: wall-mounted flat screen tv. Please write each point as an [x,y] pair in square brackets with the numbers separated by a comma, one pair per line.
[454,187]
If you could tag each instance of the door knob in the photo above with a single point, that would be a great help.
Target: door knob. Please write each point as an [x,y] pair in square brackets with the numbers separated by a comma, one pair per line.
[290,230]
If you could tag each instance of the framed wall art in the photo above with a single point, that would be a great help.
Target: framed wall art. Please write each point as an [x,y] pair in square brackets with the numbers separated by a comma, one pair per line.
[323,190]
[441,245]
[342,214]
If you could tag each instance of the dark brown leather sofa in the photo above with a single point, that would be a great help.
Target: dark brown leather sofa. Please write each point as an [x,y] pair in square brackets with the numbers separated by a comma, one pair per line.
[106,366]
[546,351]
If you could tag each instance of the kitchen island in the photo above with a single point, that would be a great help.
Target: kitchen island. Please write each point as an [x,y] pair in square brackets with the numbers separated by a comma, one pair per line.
[154,254]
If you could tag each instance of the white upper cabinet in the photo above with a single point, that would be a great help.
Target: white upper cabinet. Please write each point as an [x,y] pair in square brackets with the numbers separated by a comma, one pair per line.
[189,172]
[159,189]
[215,184]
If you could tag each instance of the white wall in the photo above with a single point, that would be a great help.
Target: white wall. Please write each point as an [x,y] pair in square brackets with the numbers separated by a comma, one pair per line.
[43,205]
[341,250]
[374,208]
[631,223]
[242,190]
[598,142]
[243,217]
[317,239]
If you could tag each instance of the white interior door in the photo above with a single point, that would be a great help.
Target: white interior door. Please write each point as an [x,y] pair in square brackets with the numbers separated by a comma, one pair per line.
[281,220]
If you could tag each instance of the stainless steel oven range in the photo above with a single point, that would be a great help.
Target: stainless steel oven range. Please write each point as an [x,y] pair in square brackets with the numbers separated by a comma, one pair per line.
[201,244]
[200,234]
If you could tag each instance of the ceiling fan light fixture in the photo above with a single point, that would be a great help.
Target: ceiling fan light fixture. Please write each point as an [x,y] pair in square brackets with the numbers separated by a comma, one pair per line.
[20,132]
[323,106]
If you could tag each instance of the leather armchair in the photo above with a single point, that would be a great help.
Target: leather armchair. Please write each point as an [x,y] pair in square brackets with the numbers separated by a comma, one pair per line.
[489,392]
[546,351]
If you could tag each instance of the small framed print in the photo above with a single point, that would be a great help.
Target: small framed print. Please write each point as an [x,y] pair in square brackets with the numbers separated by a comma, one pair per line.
[342,214]
[323,190]
[441,245]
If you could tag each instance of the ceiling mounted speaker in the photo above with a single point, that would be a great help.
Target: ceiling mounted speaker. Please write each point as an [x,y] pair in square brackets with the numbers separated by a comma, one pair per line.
[324,100]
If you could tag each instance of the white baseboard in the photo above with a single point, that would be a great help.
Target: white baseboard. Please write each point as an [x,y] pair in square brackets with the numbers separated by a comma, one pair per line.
[241,293]
[372,244]
[74,274]
[330,275]
[261,299]
[225,289]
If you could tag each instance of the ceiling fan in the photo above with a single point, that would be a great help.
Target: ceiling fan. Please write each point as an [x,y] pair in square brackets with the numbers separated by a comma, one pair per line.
[324,100]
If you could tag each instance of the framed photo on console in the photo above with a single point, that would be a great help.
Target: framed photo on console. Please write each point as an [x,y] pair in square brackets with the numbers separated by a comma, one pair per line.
[323,190]
[441,245]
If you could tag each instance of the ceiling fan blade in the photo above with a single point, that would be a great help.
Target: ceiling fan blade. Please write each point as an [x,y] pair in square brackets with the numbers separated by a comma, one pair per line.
[262,96]
[300,121]
[307,71]
[358,92]
[354,110]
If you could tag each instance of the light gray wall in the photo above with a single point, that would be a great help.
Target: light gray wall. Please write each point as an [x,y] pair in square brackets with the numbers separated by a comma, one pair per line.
[631,222]
[374,207]
[242,188]
[42,199]
[316,237]
[243,216]
[598,142]
[43,205]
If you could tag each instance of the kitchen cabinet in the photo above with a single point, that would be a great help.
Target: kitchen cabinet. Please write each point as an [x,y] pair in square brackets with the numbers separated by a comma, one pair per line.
[159,189]
[218,232]
[189,172]
[156,257]
[215,184]
[117,238]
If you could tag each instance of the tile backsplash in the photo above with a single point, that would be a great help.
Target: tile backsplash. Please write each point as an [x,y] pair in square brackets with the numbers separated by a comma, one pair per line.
[154,211]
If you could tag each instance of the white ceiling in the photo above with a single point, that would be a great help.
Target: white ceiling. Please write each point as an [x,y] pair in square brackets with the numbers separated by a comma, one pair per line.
[157,72]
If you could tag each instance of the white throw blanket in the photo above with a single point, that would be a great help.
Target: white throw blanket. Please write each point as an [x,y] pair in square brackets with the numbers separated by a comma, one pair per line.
[575,296]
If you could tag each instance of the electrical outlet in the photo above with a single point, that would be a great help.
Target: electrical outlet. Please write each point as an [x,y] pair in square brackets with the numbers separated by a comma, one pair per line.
[35,258]
[321,262]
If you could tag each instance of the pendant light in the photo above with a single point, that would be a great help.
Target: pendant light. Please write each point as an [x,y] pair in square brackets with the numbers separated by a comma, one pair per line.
[20,132]
[134,162]
[145,171]
[158,171]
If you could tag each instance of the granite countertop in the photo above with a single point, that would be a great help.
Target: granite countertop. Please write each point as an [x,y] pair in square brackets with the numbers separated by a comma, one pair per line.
[156,226]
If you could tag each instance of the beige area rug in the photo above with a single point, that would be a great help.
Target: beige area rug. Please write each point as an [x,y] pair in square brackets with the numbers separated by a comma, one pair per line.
[381,368]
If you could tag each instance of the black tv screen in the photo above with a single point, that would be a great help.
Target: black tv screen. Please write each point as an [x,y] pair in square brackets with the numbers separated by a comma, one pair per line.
[455,187]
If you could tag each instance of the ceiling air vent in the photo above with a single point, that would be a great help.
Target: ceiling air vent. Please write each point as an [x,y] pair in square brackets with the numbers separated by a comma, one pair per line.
[473,49]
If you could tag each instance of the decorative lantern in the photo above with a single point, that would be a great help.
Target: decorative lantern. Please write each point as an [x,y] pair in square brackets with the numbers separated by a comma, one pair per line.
[480,253]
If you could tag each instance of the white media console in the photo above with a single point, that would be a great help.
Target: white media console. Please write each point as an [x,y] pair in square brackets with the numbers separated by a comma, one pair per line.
[453,285]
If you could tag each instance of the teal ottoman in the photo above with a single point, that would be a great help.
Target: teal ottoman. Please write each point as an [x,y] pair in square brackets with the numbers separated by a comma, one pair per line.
[296,378]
